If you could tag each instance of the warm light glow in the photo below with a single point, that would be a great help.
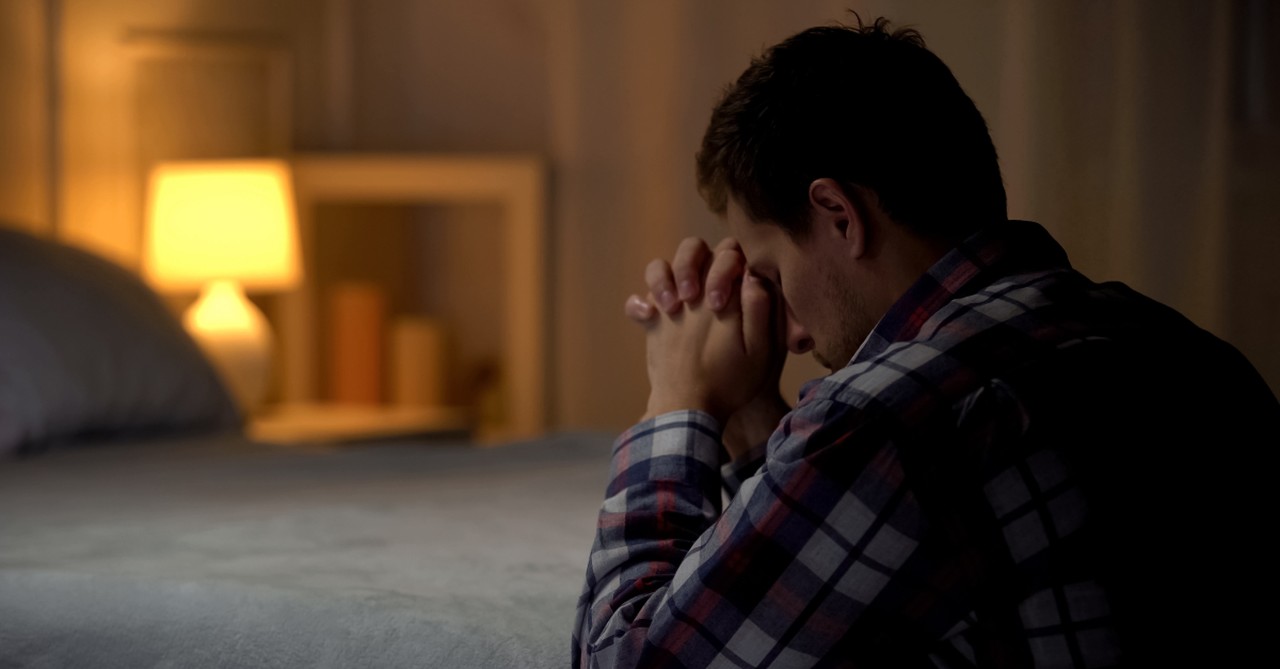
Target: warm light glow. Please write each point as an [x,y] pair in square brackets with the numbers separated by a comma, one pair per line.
[223,308]
[236,337]
[222,220]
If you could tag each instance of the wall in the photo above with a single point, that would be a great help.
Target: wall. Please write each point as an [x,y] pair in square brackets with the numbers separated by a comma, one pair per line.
[25,121]
[448,76]
[1252,277]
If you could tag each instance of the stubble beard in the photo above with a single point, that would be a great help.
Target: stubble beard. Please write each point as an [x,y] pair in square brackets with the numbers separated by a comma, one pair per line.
[854,325]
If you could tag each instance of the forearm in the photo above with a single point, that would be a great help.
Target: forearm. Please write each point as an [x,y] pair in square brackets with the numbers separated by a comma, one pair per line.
[664,492]
[675,580]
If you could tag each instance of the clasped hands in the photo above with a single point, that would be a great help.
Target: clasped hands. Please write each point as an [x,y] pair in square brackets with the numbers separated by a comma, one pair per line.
[714,340]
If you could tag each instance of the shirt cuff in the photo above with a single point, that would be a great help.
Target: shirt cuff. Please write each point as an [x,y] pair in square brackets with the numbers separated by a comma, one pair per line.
[674,446]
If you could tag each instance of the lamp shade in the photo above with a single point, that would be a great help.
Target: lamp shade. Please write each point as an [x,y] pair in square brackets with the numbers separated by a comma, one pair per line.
[222,220]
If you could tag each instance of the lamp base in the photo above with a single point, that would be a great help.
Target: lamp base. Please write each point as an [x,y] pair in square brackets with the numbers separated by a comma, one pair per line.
[236,337]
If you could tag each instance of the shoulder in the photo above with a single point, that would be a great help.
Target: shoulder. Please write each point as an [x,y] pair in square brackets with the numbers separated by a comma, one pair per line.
[1052,342]
[965,343]
[962,352]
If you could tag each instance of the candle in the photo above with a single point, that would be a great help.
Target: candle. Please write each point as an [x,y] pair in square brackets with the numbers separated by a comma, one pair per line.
[419,362]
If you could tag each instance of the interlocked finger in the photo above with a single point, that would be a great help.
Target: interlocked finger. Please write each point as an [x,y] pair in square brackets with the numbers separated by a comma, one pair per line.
[661,283]
[727,269]
[688,267]
[639,309]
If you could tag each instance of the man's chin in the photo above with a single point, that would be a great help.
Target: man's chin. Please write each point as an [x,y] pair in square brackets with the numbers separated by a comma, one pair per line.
[823,361]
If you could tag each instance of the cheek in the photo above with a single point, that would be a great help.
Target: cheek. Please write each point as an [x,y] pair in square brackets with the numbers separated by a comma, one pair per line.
[798,310]
[798,293]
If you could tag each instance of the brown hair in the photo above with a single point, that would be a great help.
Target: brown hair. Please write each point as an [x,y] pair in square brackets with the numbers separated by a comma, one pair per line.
[863,105]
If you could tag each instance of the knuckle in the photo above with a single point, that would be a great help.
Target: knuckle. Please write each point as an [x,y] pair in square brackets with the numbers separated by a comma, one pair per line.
[727,260]
[690,252]
[656,270]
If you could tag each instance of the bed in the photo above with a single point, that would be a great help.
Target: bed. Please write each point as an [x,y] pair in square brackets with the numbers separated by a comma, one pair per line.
[140,527]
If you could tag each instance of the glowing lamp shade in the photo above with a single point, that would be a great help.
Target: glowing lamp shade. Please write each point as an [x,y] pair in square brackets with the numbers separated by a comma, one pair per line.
[222,227]
[222,220]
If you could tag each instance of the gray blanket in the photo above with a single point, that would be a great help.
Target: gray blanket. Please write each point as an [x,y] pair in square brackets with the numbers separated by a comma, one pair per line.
[222,553]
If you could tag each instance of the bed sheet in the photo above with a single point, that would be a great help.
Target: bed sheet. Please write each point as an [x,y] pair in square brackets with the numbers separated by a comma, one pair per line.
[226,553]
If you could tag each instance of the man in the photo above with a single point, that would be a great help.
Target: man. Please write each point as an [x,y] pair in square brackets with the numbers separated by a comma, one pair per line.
[1009,465]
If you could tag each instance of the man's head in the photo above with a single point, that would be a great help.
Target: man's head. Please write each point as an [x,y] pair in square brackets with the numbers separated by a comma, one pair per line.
[854,150]
[863,106]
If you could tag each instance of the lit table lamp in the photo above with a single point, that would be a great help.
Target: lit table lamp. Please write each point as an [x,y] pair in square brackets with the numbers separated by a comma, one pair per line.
[223,227]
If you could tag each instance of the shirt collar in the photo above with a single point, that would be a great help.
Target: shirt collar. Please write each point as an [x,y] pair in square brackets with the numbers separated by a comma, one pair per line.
[996,251]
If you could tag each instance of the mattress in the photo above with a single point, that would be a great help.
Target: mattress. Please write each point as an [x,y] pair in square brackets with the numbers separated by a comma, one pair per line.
[206,552]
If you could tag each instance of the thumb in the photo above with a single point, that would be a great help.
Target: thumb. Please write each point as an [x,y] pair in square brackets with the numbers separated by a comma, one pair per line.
[757,319]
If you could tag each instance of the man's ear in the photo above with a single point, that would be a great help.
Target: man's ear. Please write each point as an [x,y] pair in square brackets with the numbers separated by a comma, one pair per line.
[837,216]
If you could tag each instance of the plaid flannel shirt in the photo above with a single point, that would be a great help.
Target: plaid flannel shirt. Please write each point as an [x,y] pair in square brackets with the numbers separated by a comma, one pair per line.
[906,512]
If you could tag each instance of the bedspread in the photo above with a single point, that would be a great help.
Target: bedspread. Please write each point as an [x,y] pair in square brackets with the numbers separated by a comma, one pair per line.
[226,553]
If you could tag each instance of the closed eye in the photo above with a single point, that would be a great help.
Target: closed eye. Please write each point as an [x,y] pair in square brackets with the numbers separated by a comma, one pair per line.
[769,280]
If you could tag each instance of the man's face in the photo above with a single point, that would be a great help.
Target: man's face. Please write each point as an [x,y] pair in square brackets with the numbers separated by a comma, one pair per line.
[825,314]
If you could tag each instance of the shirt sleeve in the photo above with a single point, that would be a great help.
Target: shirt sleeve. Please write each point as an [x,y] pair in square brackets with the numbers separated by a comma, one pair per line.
[819,542]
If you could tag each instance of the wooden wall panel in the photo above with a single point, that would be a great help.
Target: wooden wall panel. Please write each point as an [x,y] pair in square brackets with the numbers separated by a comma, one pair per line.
[25,120]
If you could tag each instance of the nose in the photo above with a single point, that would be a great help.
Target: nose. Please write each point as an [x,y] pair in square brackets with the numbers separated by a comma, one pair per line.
[798,339]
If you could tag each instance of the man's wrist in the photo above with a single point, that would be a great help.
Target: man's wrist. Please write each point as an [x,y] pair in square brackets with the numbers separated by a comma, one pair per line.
[753,424]
[664,403]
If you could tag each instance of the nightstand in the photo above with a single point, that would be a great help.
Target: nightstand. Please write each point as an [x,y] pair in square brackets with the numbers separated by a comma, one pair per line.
[516,184]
